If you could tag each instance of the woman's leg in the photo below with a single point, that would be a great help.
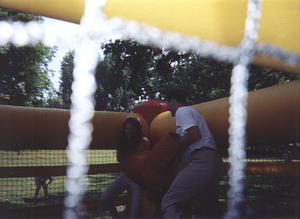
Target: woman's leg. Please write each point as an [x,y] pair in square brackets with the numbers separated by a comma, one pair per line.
[135,211]
[37,187]
[37,191]
[118,186]
[45,188]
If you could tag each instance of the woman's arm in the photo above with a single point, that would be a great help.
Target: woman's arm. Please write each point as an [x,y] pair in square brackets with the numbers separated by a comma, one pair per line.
[50,180]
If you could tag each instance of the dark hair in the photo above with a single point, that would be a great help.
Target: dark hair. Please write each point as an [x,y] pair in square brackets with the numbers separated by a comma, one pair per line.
[124,146]
[178,94]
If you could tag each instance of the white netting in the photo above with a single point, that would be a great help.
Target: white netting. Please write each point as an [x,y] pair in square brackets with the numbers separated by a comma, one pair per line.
[94,28]
[238,111]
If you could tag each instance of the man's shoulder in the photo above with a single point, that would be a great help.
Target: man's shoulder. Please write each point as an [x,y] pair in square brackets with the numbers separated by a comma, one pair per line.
[186,112]
[187,109]
[189,112]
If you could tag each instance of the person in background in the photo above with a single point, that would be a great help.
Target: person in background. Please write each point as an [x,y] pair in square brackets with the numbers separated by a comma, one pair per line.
[204,170]
[287,155]
[42,181]
[131,141]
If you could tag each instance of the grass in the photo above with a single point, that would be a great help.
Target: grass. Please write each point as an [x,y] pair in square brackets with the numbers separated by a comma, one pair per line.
[266,191]
[30,158]
[18,192]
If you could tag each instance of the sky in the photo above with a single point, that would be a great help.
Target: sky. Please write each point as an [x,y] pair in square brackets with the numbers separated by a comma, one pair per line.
[62,48]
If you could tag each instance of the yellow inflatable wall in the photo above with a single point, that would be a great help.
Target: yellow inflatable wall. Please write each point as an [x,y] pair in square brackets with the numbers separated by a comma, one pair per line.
[220,21]
[273,115]
[42,128]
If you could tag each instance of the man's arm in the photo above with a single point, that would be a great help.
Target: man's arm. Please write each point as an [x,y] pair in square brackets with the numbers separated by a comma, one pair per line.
[193,135]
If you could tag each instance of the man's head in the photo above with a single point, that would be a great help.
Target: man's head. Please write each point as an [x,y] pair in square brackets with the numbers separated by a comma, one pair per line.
[176,98]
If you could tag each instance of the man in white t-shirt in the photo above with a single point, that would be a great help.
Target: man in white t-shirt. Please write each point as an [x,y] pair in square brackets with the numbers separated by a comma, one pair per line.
[204,170]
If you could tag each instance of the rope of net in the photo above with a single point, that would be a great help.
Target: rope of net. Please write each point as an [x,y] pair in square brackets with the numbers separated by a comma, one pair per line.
[94,28]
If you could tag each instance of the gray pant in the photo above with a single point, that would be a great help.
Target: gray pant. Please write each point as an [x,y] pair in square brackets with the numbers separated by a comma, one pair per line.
[118,186]
[200,177]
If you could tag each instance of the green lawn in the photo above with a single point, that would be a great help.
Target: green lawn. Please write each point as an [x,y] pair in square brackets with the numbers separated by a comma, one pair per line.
[51,158]
[18,192]
[271,191]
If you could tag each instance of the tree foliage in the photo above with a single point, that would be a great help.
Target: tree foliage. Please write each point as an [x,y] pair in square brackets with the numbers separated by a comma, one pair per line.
[66,79]
[130,73]
[24,70]
[150,72]
[124,75]
[13,15]
[112,93]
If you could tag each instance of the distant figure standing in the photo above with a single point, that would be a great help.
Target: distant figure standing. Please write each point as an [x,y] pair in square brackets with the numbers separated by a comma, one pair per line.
[287,155]
[42,182]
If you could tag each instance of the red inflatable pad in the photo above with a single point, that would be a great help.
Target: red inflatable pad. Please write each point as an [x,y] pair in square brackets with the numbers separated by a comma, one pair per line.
[155,169]
[161,165]
[158,160]
[133,166]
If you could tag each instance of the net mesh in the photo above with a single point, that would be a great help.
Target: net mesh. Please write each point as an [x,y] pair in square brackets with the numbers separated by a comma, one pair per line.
[273,192]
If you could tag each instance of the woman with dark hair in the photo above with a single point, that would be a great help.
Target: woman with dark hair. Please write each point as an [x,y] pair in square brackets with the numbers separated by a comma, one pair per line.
[131,141]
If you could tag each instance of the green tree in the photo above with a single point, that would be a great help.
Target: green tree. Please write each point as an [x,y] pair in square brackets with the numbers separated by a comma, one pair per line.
[54,99]
[24,70]
[13,15]
[66,79]
[124,75]
[261,77]
[130,73]
[112,93]
[151,72]
[203,79]
[136,62]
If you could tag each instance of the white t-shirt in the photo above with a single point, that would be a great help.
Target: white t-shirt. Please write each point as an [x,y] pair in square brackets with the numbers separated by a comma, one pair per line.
[187,117]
